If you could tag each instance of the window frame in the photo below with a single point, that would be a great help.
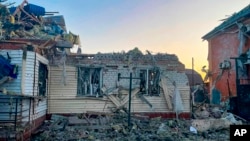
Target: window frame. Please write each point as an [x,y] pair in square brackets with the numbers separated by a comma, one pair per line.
[42,81]
[150,83]
[89,82]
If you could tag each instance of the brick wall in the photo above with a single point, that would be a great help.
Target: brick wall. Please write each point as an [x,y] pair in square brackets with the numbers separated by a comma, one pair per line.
[116,63]
[168,61]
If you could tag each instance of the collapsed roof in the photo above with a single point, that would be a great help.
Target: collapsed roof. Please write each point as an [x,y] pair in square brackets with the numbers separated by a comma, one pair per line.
[31,22]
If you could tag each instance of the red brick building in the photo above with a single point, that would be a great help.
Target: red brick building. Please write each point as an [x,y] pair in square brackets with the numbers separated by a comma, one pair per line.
[228,53]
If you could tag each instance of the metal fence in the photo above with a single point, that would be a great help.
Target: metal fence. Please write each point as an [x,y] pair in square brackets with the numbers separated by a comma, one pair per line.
[12,109]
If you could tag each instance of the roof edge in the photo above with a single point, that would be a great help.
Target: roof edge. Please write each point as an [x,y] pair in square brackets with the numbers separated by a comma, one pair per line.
[229,22]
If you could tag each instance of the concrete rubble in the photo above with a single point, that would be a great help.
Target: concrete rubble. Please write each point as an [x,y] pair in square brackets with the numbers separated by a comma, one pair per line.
[96,126]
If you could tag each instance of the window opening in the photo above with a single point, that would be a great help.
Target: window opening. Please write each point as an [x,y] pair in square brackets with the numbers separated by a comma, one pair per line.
[42,79]
[150,81]
[89,81]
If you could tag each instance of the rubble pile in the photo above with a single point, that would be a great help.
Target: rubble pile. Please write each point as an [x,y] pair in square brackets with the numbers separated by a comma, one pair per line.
[29,21]
[142,128]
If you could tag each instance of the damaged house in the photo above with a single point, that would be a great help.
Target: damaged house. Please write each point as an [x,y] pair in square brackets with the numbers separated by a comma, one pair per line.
[23,102]
[229,62]
[27,36]
[39,75]
[83,83]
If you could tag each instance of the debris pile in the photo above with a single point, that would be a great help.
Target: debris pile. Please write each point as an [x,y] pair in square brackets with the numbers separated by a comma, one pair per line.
[29,21]
[142,128]
[209,122]
[209,117]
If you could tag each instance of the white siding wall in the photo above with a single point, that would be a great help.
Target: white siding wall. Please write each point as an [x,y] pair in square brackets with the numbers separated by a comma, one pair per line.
[64,99]
[40,105]
[60,94]
[26,109]
[29,82]
[16,58]
[40,108]
[8,105]
[29,74]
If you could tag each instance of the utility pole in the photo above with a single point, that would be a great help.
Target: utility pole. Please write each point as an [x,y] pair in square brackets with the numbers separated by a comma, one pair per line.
[192,86]
[192,71]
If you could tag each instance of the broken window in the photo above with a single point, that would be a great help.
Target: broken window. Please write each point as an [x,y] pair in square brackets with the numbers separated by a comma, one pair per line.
[42,79]
[150,81]
[89,81]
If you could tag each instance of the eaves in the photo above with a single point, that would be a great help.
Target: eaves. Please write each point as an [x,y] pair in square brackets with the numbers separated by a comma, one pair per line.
[231,21]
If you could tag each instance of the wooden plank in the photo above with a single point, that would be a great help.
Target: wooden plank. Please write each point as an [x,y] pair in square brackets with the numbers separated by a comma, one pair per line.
[119,104]
[114,100]
[126,99]
[163,85]
[42,59]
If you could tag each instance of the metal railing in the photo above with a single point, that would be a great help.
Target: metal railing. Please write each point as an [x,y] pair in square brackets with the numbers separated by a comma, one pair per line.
[12,109]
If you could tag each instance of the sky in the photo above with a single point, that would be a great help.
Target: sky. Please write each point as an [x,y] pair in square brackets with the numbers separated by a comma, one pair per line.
[160,26]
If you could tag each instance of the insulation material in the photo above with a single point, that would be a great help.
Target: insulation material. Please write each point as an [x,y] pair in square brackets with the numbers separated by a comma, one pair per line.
[177,102]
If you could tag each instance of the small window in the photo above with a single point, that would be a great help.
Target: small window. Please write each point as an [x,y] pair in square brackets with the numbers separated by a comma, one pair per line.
[150,81]
[42,79]
[89,81]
